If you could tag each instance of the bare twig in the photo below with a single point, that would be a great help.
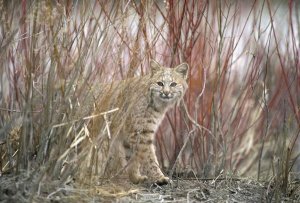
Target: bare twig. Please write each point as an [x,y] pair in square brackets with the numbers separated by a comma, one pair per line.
[86,118]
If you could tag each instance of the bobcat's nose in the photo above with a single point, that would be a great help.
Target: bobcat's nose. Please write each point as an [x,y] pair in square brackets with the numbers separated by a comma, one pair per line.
[166,90]
[167,93]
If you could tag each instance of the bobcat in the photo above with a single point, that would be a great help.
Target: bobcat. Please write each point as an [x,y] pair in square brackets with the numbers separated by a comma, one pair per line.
[142,101]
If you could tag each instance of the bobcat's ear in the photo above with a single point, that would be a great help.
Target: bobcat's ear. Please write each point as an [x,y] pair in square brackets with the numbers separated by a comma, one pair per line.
[155,66]
[182,69]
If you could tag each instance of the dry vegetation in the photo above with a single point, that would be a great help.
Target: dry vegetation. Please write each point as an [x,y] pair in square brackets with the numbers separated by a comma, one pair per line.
[239,118]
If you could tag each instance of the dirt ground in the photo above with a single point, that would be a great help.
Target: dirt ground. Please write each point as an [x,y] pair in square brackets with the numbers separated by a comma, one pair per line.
[24,188]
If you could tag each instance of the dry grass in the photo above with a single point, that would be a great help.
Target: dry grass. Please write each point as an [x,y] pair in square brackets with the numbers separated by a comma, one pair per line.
[239,117]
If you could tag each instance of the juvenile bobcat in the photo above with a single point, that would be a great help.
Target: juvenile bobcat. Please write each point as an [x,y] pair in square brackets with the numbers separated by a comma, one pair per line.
[143,102]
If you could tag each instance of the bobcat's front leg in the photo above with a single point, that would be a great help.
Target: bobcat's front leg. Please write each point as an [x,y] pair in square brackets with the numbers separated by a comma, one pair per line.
[134,163]
[152,166]
[145,153]
[134,170]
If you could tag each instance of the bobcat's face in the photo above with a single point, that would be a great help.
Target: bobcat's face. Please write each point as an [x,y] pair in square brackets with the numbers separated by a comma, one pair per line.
[168,85]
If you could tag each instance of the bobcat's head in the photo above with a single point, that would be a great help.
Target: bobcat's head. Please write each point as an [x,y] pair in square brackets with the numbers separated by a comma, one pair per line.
[168,85]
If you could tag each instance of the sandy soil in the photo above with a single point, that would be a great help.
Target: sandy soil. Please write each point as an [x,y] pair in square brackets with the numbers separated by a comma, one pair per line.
[24,188]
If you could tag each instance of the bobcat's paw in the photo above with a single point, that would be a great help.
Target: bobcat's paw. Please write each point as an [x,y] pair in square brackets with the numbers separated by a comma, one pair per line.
[163,180]
[138,179]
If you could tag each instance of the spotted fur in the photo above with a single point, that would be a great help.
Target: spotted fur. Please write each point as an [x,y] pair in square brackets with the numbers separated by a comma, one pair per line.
[143,102]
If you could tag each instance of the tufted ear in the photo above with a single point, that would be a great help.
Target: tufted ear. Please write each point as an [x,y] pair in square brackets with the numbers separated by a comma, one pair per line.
[182,69]
[155,66]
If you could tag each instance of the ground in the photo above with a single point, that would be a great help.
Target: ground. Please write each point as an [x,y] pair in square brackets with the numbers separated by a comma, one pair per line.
[20,189]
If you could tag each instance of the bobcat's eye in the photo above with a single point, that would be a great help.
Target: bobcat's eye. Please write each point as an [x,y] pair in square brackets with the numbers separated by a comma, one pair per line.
[160,84]
[173,84]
